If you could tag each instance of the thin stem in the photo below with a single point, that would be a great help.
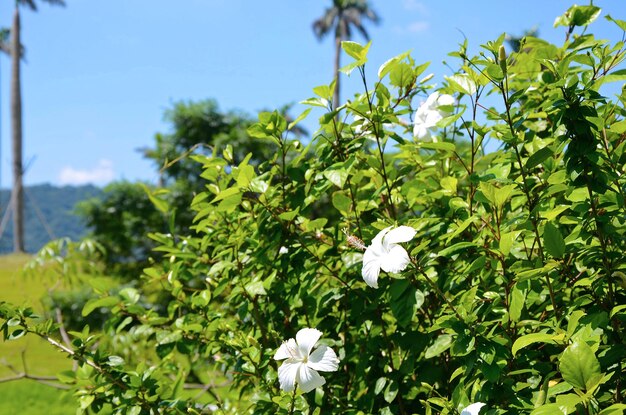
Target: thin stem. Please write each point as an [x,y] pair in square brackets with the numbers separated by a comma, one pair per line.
[390,206]
[390,352]
[293,401]
[603,245]
[437,289]
[504,88]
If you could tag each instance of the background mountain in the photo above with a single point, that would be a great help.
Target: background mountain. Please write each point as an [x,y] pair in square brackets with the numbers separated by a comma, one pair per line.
[49,214]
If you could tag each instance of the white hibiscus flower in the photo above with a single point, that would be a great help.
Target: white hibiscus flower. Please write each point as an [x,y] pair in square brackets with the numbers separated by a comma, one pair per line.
[473,409]
[385,253]
[301,365]
[429,114]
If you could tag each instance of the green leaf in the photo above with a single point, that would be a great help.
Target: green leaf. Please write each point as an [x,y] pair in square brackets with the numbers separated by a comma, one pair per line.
[386,67]
[456,247]
[337,177]
[341,202]
[300,117]
[569,401]
[462,83]
[403,302]
[380,385]
[245,175]
[226,193]
[503,194]
[539,157]
[615,409]
[550,409]
[391,391]
[356,50]
[229,203]
[518,296]
[349,68]
[16,334]
[67,376]
[578,16]
[314,102]
[489,191]
[94,303]
[115,361]
[580,367]
[401,75]
[553,213]
[289,215]
[324,91]
[255,288]
[507,239]
[158,202]
[130,295]
[440,345]
[620,23]
[86,401]
[529,339]
[620,126]
[553,240]
[449,184]
[443,146]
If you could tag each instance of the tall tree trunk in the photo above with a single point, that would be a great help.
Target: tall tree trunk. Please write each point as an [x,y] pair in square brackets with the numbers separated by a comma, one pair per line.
[16,136]
[336,100]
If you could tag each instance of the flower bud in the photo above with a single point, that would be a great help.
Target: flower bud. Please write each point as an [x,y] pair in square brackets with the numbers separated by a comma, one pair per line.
[502,58]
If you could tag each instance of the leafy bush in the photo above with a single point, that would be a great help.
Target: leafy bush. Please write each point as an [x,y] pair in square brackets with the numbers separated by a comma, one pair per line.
[503,272]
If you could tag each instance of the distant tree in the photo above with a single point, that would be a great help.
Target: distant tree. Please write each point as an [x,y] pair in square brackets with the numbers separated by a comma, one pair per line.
[200,127]
[124,214]
[16,122]
[5,45]
[340,17]
[119,220]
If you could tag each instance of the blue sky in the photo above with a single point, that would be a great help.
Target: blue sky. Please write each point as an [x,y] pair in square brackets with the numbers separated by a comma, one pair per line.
[99,74]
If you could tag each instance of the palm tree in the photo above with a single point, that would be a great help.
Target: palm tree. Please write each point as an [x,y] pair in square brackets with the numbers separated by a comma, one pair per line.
[16,123]
[5,47]
[342,16]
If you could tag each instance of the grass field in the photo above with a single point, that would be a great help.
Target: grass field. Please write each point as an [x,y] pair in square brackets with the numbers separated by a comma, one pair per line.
[28,397]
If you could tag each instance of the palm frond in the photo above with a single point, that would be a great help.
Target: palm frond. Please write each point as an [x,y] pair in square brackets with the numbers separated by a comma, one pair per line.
[33,6]
[342,16]
[55,2]
[29,3]
[323,25]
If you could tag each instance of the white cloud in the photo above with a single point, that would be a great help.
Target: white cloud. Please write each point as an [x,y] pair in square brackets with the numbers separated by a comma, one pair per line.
[416,6]
[418,27]
[100,174]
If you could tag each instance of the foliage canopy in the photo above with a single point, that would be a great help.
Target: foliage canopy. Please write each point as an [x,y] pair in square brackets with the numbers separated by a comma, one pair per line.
[514,293]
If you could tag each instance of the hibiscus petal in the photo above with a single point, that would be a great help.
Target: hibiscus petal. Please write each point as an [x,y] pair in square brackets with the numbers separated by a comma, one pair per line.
[371,266]
[445,99]
[426,136]
[306,339]
[288,349]
[400,234]
[431,101]
[309,379]
[287,374]
[421,132]
[473,409]
[323,359]
[396,260]
[378,239]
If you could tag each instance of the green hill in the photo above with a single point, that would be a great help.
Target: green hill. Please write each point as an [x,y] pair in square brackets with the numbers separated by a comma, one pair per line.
[49,214]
